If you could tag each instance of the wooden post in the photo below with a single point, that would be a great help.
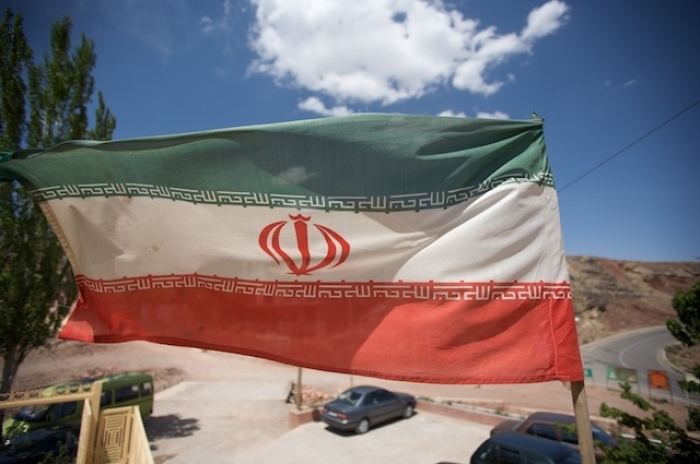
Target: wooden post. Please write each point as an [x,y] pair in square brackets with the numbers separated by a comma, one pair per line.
[583,422]
[94,419]
[297,392]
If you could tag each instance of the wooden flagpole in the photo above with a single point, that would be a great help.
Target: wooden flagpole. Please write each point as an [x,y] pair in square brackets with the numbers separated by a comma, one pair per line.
[583,422]
[298,393]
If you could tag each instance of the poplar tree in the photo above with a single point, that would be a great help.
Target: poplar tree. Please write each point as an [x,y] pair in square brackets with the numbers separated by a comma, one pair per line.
[40,105]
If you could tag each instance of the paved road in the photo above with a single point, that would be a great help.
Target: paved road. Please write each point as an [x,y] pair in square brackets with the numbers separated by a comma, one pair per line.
[247,422]
[235,411]
[640,350]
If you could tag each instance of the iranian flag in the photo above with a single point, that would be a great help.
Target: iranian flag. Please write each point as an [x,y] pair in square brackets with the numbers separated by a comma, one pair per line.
[412,248]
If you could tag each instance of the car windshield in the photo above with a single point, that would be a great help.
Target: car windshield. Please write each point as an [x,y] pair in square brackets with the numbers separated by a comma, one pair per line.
[36,413]
[24,443]
[350,397]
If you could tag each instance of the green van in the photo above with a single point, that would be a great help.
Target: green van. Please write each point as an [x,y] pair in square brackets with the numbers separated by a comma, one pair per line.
[130,389]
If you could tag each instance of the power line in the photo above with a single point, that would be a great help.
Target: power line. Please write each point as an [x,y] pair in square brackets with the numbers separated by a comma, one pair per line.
[627,147]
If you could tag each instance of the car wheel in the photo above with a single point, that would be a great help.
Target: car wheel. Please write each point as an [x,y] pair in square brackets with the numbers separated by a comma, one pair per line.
[362,426]
[408,411]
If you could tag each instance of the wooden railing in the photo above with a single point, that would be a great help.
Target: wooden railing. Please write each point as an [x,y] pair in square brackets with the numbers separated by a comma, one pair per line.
[113,436]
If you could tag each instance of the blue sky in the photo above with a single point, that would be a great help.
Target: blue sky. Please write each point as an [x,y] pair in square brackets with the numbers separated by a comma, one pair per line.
[601,74]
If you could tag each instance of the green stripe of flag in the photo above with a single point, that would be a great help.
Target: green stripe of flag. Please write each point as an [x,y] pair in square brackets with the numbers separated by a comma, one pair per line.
[369,162]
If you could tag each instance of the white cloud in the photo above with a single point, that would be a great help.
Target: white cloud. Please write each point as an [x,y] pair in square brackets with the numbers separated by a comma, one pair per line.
[610,84]
[386,50]
[209,25]
[544,20]
[315,105]
[489,49]
[479,114]
[493,115]
[452,114]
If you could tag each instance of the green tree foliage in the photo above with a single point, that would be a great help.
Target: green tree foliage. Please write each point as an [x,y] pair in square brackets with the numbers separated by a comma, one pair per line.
[40,106]
[658,438]
[686,329]
[15,57]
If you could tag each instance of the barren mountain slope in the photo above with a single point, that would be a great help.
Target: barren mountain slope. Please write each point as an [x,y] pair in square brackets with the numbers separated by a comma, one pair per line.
[613,296]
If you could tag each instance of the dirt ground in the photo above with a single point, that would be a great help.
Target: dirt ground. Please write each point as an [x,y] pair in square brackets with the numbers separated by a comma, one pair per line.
[65,360]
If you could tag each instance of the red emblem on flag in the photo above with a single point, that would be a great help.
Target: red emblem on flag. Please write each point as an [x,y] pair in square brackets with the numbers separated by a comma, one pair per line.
[337,248]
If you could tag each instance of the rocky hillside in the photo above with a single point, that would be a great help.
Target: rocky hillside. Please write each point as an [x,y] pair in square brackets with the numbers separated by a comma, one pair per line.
[612,296]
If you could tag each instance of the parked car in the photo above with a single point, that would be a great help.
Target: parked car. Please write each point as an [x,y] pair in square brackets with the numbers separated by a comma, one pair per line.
[360,408]
[554,426]
[35,447]
[129,389]
[520,448]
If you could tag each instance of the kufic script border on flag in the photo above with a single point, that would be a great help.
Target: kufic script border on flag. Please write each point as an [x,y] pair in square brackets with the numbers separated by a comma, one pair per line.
[458,291]
[387,203]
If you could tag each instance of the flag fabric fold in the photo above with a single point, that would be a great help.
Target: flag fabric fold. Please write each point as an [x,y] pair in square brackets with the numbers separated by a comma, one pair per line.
[404,247]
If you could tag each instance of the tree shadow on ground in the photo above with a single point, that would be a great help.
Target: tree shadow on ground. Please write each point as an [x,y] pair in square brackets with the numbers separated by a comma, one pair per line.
[170,426]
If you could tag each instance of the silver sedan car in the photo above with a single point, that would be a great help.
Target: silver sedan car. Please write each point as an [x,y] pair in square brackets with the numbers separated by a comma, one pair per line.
[360,408]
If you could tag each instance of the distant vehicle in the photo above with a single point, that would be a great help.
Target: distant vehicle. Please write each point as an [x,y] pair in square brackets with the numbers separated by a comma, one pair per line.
[519,448]
[131,389]
[553,426]
[360,408]
[44,445]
